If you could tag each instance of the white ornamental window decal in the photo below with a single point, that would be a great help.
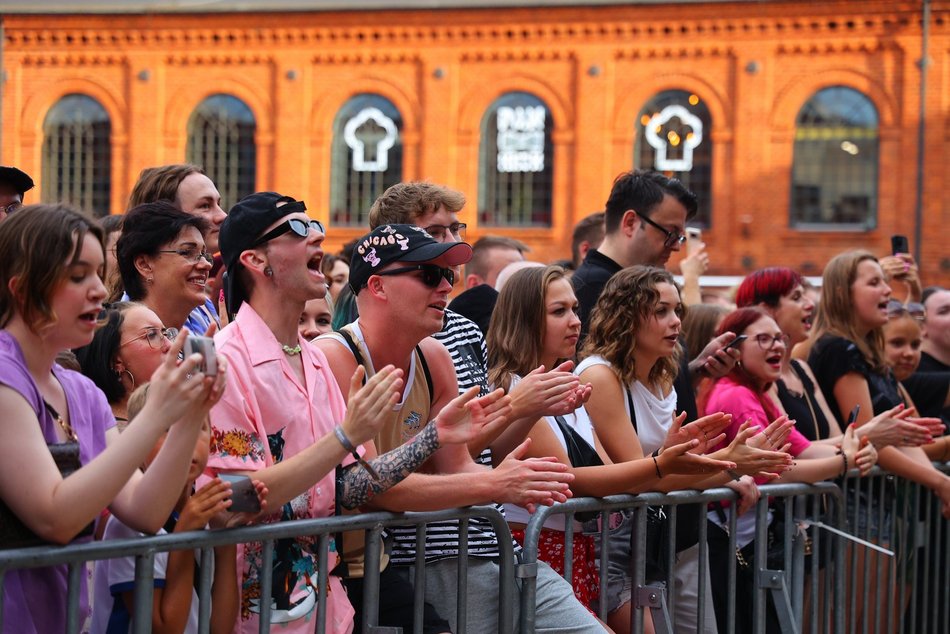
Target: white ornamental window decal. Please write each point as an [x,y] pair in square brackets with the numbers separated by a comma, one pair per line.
[520,138]
[382,136]
[690,143]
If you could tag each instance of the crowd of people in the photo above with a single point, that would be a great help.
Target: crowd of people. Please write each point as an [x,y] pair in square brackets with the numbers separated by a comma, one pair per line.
[348,383]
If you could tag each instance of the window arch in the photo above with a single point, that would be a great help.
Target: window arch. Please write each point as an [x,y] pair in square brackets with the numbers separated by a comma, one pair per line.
[835,161]
[673,136]
[516,159]
[77,154]
[221,140]
[366,157]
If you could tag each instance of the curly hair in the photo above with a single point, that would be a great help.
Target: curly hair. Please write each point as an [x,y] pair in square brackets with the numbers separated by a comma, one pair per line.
[516,331]
[626,303]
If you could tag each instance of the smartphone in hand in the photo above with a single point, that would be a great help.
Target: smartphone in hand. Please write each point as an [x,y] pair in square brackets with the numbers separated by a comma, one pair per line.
[205,347]
[735,342]
[899,244]
[694,240]
[243,495]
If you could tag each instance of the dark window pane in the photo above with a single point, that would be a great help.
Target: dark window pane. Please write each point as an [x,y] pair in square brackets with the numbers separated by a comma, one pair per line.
[516,163]
[366,157]
[77,154]
[221,140]
[674,137]
[834,169]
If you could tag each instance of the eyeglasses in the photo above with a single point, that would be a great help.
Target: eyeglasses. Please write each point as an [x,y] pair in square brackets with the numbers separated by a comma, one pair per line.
[672,238]
[295,225]
[457,229]
[154,337]
[432,274]
[191,254]
[913,310]
[767,342]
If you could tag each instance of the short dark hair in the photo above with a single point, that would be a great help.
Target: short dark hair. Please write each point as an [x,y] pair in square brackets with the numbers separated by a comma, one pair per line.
[930,290]
[480,262]
[642,191]
[590,229]
[37,244]
[111,223]
[145,230]
[96,358]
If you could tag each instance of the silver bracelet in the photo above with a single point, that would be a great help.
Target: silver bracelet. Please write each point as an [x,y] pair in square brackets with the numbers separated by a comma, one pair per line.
[341,436]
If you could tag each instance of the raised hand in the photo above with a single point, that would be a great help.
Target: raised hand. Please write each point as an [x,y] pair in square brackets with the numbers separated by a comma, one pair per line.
[467,416]
[706,430]
[528,482]
[774,436]
[368,404]
[684,460]
[548,393]
[751,460]
[717,361]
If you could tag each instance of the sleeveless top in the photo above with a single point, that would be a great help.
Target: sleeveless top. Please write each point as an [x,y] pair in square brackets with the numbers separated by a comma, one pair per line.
[801,407]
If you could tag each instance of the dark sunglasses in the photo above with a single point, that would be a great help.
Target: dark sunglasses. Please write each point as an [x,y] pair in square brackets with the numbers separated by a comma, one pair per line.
[913,310]
[295,225]
[432,274]
[672,239]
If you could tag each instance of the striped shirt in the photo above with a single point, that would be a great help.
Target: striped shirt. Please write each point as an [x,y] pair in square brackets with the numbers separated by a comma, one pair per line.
[466,345]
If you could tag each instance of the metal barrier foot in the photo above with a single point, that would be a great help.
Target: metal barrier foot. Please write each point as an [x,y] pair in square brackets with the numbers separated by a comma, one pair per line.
[653,596]
[774,582]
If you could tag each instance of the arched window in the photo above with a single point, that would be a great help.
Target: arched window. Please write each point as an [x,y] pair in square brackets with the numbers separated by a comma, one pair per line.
[516,163]
[834,168]
[673,137]
[366,157]
[221,140]
[77,154]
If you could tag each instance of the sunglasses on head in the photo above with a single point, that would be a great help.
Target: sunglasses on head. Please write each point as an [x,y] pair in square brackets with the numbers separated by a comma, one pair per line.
[912,310]
[432,274]
[298,227]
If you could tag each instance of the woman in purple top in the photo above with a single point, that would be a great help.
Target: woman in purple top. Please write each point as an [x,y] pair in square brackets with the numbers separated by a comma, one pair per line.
[51,268]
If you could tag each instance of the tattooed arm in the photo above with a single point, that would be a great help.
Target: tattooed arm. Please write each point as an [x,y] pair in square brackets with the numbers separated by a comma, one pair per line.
[392,468]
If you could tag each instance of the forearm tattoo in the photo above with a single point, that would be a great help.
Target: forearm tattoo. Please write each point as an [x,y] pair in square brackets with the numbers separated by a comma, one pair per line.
[392,467]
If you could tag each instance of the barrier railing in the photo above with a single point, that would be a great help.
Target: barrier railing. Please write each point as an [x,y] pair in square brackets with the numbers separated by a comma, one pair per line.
[145,548]
[896,579]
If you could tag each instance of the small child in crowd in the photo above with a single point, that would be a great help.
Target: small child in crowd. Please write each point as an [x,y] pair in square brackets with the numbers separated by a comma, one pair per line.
[176,573]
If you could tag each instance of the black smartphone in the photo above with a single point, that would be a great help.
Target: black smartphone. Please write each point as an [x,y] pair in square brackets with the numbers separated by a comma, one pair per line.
[205,347]
[899,244]
[735,342]
[853,416]
[243,496]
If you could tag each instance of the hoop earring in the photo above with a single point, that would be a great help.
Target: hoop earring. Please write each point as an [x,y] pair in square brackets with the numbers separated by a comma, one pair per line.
[131,377]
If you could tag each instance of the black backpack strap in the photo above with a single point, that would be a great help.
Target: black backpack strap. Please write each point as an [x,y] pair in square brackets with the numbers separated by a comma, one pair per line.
[633,411]
[427,373]
[355,349]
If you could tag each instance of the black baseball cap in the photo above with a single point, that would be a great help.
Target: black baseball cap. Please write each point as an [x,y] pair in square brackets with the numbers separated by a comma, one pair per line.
[240,231]
[19,179]
[400,243]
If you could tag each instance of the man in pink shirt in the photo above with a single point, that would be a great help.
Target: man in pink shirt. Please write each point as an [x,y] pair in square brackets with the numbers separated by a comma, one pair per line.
[283,417]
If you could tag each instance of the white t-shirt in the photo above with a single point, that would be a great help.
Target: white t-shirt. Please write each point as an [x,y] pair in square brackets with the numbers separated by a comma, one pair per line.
[115,576]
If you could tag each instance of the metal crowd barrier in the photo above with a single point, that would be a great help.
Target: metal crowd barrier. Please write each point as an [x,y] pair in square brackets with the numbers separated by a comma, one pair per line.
[144,550]
[895,579]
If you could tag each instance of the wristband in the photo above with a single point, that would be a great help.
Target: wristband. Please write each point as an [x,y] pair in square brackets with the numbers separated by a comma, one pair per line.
[338,431]
[844,459]
[734,475]
[656,465]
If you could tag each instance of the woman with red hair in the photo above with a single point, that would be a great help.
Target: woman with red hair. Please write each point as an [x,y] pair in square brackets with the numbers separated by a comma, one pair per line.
[743,393]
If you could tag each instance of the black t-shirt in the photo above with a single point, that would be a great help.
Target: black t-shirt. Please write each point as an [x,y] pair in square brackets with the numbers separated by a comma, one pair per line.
[928,387]
[799,407]
[589,280]
[832,357]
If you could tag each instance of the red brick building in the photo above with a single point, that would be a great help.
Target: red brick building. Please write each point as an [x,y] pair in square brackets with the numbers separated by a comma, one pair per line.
[796,122]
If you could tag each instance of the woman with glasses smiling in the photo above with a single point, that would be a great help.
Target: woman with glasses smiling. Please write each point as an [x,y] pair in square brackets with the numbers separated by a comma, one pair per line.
[165,266]
[125,352]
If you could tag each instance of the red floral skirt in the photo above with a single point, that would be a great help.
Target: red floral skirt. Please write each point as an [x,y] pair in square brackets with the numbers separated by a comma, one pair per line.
[584,575]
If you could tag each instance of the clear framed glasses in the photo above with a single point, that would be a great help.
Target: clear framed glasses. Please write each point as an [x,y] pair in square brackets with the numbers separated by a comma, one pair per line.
[296,226]
[154,336]
[672,238]
[456,229]
[767,342]
[191,254]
